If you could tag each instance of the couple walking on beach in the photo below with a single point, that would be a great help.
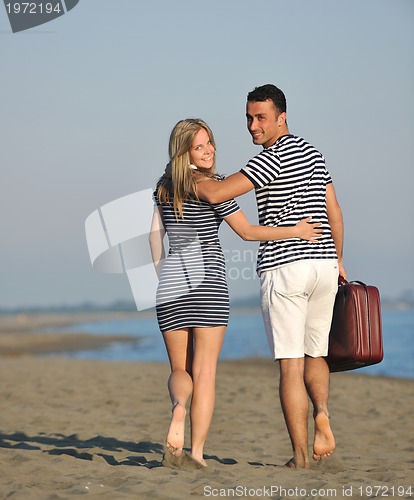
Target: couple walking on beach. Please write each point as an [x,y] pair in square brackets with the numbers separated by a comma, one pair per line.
[299,261]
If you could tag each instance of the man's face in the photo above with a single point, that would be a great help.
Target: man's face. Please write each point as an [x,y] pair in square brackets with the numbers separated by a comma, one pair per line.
[263,122]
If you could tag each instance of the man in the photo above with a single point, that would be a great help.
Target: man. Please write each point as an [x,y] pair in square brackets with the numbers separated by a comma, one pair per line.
[298,278]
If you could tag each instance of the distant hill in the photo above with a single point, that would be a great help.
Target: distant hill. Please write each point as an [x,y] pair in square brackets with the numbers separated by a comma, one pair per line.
[396,304]
[119,305]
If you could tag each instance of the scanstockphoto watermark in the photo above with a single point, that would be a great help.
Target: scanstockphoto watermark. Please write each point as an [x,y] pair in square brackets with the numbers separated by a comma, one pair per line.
[270,491]
[117,236]
[26,15]
[240,264]
[363,491]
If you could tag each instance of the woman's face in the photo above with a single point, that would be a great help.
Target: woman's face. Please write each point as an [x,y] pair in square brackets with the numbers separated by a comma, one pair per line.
[202,150]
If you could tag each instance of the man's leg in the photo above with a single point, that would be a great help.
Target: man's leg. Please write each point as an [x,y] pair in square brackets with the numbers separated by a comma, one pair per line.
[284,294]
[317,384]
[320,308]
[295,406]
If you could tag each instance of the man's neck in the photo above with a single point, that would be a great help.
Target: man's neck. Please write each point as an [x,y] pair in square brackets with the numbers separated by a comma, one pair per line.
[284,131]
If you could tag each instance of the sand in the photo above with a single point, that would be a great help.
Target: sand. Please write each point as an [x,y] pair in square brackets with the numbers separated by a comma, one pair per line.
[70,428]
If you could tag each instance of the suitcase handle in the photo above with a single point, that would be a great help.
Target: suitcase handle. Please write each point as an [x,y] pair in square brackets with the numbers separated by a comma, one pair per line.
[342,281]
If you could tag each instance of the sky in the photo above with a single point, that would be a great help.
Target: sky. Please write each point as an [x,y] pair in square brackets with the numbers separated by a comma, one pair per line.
[89,100]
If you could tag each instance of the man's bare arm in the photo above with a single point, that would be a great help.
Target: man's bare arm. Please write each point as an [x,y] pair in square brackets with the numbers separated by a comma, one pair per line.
[337,225]
[231,187]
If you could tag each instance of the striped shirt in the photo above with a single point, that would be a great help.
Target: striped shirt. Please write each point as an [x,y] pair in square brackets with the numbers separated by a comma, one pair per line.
[290,178]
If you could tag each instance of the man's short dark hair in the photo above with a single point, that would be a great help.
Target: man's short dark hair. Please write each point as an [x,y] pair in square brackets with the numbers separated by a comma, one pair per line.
[268,92]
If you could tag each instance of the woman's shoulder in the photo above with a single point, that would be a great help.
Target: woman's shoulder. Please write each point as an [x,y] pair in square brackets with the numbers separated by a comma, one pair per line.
[203,178]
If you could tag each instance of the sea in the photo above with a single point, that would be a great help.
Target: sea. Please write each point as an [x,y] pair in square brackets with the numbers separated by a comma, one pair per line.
[245,338]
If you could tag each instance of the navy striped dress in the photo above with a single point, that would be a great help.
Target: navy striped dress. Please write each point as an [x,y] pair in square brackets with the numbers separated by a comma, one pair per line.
[192,291]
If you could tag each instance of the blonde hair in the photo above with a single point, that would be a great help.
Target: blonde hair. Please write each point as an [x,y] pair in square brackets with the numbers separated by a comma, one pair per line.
[181,186]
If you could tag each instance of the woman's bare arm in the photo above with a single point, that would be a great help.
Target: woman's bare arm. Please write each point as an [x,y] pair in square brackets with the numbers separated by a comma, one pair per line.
[156,238]
[305,229]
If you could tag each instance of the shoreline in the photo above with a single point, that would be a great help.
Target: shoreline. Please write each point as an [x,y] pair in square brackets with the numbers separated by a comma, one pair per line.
[51,333]
[44,333]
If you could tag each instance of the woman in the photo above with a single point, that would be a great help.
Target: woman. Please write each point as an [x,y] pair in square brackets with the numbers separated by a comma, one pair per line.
[192,296]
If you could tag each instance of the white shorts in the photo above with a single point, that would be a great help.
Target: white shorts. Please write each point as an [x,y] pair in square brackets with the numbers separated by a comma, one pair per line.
[297,307]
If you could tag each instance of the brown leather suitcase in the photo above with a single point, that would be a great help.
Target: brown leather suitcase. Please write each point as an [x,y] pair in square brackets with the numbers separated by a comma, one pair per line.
[355,339]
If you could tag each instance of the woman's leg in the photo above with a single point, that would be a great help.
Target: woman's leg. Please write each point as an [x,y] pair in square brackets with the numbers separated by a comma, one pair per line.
[179,344]
[207,347]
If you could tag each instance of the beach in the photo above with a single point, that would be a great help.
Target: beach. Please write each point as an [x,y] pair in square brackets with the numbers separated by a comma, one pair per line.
[72,427]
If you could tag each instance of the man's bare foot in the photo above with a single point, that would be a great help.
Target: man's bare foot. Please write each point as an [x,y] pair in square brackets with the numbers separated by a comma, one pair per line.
[324,441]
[288,465]
[175,436]
[291,464]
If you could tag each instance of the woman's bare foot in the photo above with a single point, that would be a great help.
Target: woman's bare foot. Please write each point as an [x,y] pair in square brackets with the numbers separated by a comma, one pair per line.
[175,436]
[324,441]
[200,461]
